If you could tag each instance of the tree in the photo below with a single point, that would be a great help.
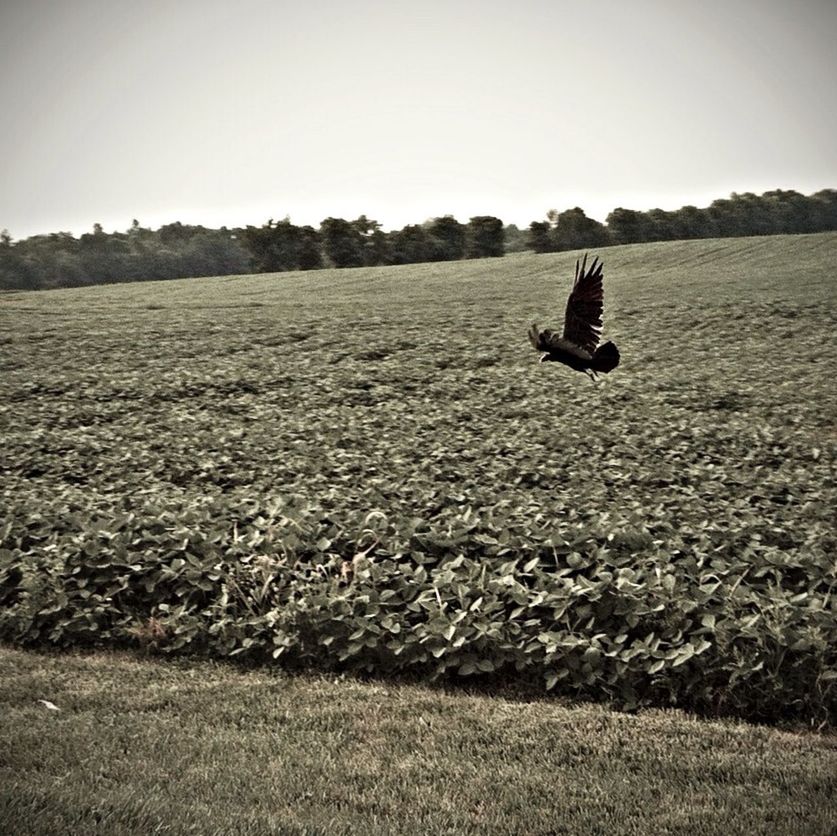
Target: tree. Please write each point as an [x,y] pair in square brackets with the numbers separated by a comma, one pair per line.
[792,212]
[484,237]
[280,245]
[142,241]
[824,210]
[447,239]
[342,242]
[539,237]
[627,226]
[175,234]
[573,230]
[105,258]
[373,241]
[515,239]
[211,253]
[273,247]
[15,272]
[310,249]
[411,245]
[660,225]
[691,222]
[752,214]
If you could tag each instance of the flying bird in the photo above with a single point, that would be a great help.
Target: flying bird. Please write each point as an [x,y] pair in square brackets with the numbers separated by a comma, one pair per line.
[578,346]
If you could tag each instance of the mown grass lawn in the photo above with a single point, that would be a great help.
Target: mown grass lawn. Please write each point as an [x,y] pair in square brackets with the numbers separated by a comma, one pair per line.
[143,746]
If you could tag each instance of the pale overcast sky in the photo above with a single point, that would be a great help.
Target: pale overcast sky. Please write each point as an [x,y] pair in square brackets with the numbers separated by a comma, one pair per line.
[219,112]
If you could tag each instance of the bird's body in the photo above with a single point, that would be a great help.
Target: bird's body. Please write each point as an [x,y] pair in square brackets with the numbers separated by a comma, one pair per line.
[578,346]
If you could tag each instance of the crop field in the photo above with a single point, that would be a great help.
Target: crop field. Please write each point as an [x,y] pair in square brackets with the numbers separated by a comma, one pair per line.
[368,469]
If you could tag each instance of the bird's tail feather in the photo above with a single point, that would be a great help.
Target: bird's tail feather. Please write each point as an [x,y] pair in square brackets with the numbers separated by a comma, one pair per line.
[606,358]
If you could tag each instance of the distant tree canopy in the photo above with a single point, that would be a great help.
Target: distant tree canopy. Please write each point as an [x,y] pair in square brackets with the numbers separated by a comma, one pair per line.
[484,237]
[741,214]
[515,239]
[343,243]
[411,245]
[173,251]
[570,230]
[447,238]
[771,213]
[280,245]
[179,250]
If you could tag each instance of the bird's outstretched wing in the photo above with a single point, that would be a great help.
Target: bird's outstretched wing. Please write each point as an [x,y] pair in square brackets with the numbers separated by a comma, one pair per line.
[583,318]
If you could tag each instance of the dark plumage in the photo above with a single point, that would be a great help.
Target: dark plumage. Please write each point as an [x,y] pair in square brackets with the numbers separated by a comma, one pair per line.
[578,346]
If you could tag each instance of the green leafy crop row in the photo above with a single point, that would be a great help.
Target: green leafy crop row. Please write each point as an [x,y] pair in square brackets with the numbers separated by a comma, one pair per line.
[590,611]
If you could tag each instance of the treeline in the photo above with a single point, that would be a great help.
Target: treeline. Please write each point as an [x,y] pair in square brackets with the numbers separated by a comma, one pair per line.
[173,251]
[280,245]
[771,213]
[181,251]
